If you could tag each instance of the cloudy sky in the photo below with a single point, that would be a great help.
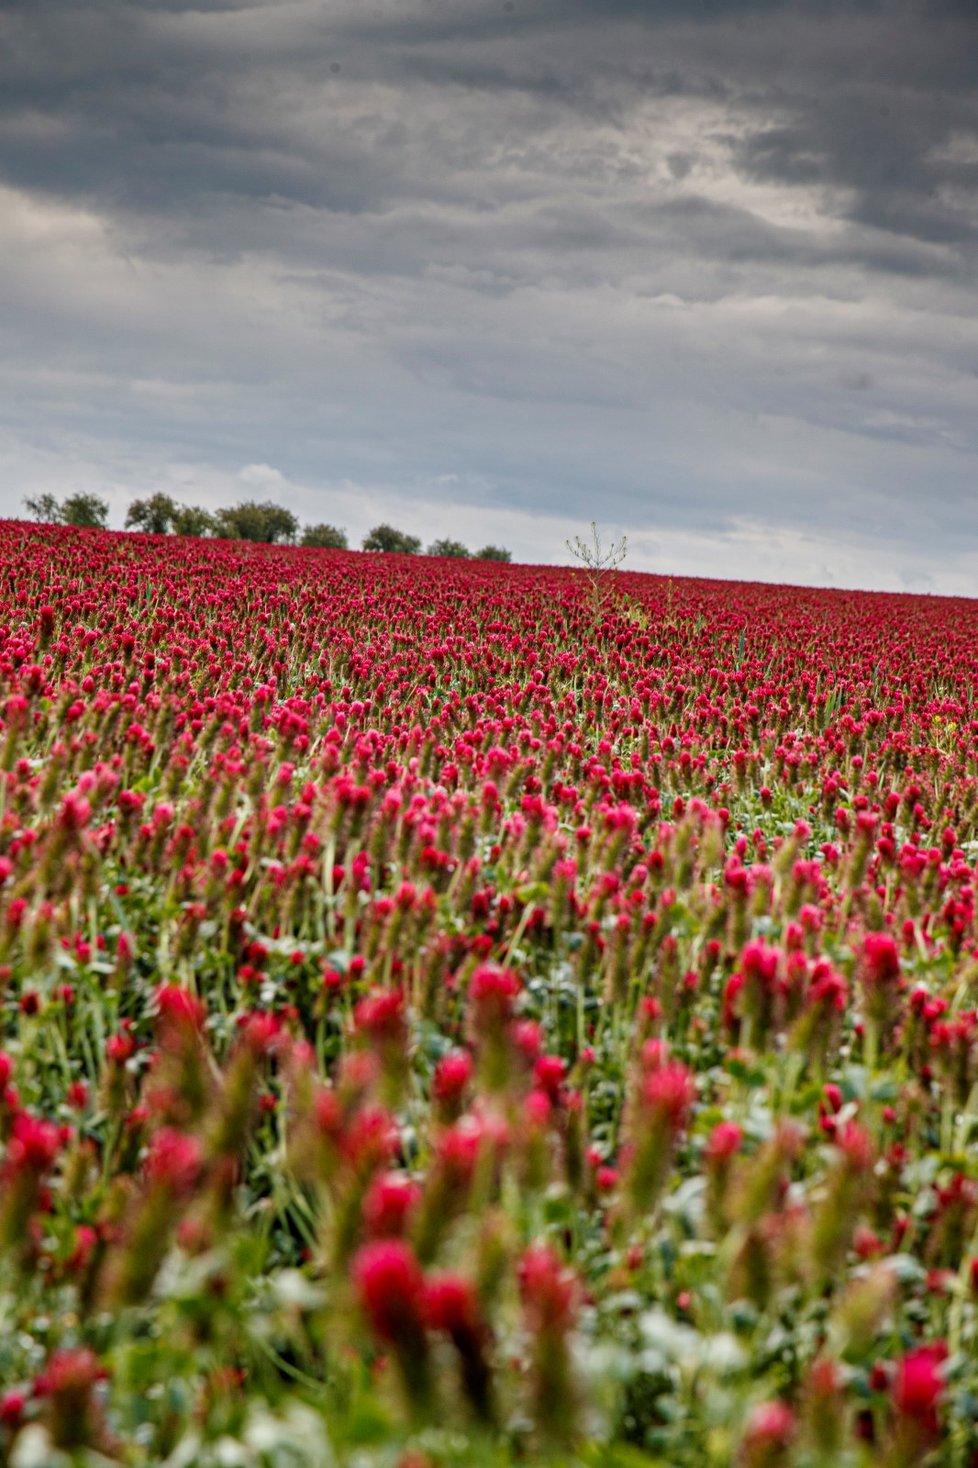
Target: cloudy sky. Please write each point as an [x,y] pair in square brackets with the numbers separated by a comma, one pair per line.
[704,270]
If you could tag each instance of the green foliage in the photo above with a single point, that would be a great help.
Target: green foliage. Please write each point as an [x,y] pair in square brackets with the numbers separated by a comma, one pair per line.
[453,549]
[494,553]
[154,516]
[86,511]
[324,537]
[250,520]
[45,507]
[160,514]
[192,520]
[393,542]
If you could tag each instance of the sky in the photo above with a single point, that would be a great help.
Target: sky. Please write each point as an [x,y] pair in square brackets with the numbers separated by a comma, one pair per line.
[705,271]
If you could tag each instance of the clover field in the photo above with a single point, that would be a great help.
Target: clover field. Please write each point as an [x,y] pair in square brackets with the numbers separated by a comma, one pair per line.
[455,1013]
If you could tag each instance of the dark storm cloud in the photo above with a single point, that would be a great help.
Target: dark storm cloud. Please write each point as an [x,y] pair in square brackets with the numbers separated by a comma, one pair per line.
[706,269]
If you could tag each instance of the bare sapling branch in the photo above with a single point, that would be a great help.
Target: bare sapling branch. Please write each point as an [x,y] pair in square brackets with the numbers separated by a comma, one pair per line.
[598,560]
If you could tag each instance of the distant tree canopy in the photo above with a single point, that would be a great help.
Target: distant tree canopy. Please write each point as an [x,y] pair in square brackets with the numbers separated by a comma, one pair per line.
[456,550]
[324,537]
[249,520]
[153,515]
[453,548]
[84,510]
[192,520]
[161,514]
[386,538]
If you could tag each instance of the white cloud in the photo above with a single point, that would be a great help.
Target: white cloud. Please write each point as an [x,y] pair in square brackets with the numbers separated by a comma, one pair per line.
[429,264]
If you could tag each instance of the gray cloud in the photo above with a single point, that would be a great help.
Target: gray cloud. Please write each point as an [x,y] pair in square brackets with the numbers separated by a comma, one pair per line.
[699,271]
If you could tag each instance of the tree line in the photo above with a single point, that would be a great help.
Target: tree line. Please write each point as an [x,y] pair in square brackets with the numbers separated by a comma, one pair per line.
[272,524]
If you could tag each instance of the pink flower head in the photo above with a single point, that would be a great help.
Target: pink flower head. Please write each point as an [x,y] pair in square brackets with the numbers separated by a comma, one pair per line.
[492,992]
[388,1204]
[260,1032]
[528,1038]
[919,1386]
[179,1011]
[174,1161]
[86,1239]
[12,1407]
[856,1146]
[452,1074]
[33,1145]
[391,1289]
[827,987]
[406,896]
[120,1048]
[767,1437]
[724,1142]
[547,1290]
[759,963]
[381,1015]
[69,1372]
[370,1139]
[457,1149]
[669,1093]
[880,961]
[75,813]
[451,1305]
[549,1073]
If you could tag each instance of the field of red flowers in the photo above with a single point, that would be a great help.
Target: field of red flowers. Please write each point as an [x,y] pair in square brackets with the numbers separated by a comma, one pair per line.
[451,1013]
